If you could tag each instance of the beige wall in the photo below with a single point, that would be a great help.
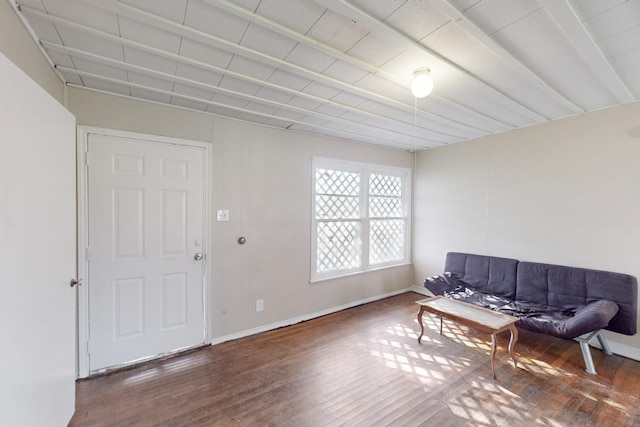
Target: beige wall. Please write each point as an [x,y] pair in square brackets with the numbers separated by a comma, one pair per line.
[19,47]
[263,177]
[566,192]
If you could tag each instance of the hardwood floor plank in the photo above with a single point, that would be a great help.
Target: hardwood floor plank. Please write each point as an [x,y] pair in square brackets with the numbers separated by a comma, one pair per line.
[364,367]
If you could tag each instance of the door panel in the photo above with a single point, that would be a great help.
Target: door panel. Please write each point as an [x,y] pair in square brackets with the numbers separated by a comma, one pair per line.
[37,254]
[146,222]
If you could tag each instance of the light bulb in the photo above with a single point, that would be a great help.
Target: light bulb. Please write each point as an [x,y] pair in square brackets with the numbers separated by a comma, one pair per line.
[422,84]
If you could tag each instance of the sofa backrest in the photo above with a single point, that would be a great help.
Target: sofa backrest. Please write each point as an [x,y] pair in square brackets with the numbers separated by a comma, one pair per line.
[559,286]
[485,273]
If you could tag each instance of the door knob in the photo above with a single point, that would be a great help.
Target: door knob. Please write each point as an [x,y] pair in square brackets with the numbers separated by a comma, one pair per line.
[197,256]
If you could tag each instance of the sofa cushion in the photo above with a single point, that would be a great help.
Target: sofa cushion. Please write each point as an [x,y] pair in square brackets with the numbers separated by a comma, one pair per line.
[484,273]
[569,321]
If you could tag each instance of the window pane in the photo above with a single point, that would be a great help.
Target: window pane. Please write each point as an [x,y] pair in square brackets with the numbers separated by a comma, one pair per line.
[386,241]
[337,207]
[385,207]
[337,182]
[338,246]
[385,185]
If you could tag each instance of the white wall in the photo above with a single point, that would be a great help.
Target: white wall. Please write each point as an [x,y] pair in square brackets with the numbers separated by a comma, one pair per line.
[565,192]
[263,177]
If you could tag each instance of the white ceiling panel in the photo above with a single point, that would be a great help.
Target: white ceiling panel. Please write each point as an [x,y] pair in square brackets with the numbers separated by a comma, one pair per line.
[85,14]
[304,103]
[417,20]
[99,69]
[344,72]
[310,58]
[215,21]
[614,20]
[288,80]
[87,42]
[268,42]
[374,51]
[148,35]
[197,74]
[350,99]
[149,60]
[206,54]
[343,68]
[494,15]
[169,9]
[150,82]
[274,95]
[105,86]
[298,15]
[188,103]
[251,68]
[239,86]
[205,95]
[337,31]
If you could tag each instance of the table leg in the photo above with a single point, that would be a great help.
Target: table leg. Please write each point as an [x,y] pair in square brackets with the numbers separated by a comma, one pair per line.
[512,343]
[493,355]
[420,323]
[440,325]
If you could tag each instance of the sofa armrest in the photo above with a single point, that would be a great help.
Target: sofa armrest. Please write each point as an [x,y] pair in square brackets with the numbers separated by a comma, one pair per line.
[444,283]
[591,317]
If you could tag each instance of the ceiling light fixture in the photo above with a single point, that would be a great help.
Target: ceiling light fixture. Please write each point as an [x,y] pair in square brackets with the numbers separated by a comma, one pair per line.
[422,84]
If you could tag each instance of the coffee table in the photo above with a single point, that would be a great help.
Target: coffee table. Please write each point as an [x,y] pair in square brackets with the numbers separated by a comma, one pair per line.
[470,315]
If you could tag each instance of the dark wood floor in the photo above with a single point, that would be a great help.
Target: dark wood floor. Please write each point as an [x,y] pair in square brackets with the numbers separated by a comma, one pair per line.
[364,367]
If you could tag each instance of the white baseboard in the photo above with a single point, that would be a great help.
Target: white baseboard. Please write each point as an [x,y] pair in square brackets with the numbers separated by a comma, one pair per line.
[618,348]
[294,320]
[420,290]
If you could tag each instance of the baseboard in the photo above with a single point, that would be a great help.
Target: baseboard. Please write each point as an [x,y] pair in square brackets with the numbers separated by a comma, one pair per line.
[420,290]
[619,349]
[294,320]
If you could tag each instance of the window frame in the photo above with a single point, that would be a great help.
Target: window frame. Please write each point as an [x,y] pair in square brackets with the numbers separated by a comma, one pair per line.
[364,170]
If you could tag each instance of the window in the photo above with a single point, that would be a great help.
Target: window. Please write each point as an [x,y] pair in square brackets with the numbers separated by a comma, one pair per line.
[360,217]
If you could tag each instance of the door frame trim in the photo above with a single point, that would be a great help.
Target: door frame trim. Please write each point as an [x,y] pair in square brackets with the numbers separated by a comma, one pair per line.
[83,133]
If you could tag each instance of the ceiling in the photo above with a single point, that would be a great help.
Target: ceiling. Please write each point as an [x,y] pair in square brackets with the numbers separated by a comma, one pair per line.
[343,68]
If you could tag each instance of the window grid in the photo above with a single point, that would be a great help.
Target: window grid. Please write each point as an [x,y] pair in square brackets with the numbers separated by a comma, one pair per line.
[360,217]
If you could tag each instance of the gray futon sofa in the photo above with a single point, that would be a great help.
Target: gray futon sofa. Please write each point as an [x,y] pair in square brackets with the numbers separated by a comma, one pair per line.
[564,302]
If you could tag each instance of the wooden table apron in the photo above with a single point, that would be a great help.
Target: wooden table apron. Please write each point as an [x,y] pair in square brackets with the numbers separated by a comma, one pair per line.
[508,324]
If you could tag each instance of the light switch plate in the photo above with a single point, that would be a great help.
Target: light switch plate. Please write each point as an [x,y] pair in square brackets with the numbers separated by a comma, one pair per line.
[222,215]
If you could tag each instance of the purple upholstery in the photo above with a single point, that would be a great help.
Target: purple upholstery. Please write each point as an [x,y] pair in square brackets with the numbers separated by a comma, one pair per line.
[562,301]
[484,273]
[558,286]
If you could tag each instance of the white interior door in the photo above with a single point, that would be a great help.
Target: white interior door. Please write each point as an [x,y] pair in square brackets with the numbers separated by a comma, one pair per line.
[146,249]
[37,254]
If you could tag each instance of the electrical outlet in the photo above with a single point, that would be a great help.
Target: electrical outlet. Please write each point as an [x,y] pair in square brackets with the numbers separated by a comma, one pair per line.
[259,305]
[222,215]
